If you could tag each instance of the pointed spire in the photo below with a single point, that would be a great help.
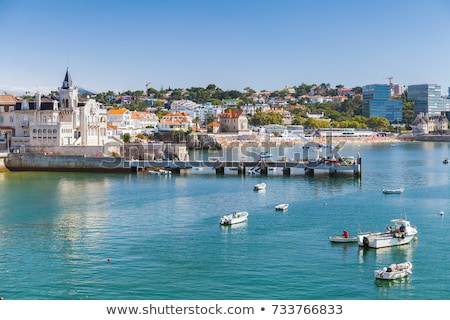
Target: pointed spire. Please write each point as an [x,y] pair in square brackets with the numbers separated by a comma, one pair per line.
[67,83]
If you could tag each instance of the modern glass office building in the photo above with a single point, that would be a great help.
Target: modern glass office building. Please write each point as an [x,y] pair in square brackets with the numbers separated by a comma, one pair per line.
[377,102]
[427,99]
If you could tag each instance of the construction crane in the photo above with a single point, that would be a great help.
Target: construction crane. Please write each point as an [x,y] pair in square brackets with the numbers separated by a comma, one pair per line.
[390,81]
[146,88]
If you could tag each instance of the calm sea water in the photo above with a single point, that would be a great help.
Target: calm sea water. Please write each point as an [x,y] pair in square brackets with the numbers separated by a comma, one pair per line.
[140,236]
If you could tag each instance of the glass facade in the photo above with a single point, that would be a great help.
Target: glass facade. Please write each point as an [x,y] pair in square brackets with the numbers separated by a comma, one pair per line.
[377,102]
[427,99]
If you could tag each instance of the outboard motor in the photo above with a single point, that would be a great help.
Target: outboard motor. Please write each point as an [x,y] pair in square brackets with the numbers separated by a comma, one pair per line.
[366,242]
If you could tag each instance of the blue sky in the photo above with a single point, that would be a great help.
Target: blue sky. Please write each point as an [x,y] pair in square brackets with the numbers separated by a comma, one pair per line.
[234,44]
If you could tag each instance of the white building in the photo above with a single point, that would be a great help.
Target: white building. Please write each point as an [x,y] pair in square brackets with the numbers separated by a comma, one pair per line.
[64,121]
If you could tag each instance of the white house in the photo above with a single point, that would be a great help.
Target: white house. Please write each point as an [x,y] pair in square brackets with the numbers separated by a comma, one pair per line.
[66,120]
[179,121]
[120,118]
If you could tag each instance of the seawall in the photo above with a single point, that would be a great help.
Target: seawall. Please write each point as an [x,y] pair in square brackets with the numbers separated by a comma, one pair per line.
[65,163]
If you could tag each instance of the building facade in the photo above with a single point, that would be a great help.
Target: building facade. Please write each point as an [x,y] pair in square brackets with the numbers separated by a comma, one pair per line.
[233,120]
[425,124]
[427,99]
[377,102]
[66,120]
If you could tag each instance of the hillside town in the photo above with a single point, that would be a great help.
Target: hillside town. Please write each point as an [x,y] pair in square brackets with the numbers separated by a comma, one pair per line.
[67,118]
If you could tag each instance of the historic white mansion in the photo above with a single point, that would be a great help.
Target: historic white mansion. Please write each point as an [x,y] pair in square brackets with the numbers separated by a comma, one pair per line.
[68,121]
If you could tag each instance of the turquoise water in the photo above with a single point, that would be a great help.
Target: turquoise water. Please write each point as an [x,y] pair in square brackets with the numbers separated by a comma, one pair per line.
[140,236]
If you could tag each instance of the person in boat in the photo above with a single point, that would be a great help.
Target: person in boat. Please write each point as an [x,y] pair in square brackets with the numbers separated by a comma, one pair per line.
[345,234]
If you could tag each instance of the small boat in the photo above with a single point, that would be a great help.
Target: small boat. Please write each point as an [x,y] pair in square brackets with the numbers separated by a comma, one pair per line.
[400,233]
[265,155]
[392,191]
[164,172]
[259,186]
[394,271]
[234,218]
[441,213]
[445,161]
[282,207]
[342,239]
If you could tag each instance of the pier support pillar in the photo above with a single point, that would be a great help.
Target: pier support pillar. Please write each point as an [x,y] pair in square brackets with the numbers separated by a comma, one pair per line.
[286,171]
[241,170]
[220,170]
[263,170]
[357,166]
[175,170]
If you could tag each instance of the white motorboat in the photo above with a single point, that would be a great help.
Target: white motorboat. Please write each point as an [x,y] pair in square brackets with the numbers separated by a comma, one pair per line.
[392,191]
[265,155]
[282,207]
[234,218]
[400,233]
[342,239]
[259,186]
[394,271]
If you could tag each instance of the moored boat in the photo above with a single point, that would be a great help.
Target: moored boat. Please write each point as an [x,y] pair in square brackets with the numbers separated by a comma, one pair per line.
[282,207]
[394,271]
[400,233]
[342,239]
[234,218]
[392,191]
[259,186]
[265,155]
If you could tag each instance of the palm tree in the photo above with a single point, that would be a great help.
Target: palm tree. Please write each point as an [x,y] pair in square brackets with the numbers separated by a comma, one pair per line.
[196,121]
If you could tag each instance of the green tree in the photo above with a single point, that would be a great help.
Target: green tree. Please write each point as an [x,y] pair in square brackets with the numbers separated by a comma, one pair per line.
[378,123]
[127,138]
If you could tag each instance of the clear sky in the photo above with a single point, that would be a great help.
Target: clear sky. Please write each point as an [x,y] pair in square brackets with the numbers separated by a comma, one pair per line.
[234,44]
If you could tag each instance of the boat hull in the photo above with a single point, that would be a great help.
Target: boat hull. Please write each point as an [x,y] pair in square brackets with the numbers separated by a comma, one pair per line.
[234,218]
[282,207]
[394,271]
[259,186]
[383,240]
[342,239]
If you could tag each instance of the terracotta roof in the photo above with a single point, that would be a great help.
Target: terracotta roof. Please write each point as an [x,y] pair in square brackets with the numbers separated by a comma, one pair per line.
[7,98]
[117,111]
[213,124]
[232,113]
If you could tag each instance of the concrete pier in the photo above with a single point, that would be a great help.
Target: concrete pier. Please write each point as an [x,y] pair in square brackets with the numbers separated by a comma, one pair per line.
[43,162]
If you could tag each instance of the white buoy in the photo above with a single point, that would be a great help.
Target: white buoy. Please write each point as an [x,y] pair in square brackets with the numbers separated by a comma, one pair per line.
[441,213]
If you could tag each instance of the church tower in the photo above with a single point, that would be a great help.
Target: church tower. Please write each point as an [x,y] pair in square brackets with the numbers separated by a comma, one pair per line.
[68,94]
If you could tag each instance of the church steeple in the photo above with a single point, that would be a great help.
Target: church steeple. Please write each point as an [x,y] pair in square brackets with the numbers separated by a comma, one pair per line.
[67,83]
[68,93]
